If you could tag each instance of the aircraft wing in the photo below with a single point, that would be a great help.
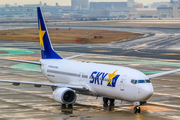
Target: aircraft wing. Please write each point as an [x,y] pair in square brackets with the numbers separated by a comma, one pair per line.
[67,58]
[39,84]
[24,61]
[38,63]
[162,74]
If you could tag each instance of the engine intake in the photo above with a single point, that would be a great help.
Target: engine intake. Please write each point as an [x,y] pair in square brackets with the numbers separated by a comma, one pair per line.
[64,95]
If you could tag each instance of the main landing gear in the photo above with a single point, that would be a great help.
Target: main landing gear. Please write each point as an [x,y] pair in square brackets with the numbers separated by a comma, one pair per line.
[67,109]
[137,109]
[70,106]
[105,105]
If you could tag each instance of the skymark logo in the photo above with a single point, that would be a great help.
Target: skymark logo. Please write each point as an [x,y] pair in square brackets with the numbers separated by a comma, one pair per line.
[99,77]
[41,35]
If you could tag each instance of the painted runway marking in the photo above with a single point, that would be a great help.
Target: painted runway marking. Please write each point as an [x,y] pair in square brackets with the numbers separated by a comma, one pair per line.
[100,51]
[16,51]
[169,95]
[143,45]
[27,67]
[88,98]
[23,58]
[169,41]
[170,53]
[161,104]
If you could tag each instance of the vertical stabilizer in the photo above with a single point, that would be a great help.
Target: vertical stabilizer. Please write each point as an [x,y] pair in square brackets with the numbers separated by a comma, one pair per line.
[47,51]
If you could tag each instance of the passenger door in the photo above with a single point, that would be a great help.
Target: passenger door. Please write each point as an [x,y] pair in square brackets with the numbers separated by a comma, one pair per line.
[80,78]
[122,80]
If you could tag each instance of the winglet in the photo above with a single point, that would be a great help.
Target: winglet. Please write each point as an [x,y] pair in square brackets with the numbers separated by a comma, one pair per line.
[47,51]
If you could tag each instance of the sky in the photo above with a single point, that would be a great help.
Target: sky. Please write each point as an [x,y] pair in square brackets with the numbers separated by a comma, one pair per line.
[68,2]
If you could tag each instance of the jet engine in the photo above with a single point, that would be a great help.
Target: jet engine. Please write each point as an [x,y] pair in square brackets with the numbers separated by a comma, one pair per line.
[64,95]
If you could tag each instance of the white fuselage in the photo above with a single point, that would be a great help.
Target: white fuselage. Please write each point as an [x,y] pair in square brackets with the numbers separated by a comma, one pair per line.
[102,80]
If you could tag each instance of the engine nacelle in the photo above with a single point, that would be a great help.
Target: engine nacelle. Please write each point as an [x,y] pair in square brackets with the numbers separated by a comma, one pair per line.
[64,95]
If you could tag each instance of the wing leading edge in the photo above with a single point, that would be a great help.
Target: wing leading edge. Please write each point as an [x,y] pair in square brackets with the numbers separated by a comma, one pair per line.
[39,84]
[68,58]
[37,62]
[22,61]
[162,74]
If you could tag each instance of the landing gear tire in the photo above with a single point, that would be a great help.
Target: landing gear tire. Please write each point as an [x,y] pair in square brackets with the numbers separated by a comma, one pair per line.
[105,100]
[70,106]
[112,102]
[137,109]
[105,105]
[111,107]
[63,106]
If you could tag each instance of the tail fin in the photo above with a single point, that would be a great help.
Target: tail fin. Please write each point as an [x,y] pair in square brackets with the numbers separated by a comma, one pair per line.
[47,51]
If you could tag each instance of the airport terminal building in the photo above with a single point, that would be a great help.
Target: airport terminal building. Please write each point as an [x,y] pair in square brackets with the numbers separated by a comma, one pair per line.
[169,12]
[143,13]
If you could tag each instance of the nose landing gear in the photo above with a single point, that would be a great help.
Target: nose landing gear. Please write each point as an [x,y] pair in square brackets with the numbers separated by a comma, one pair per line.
[137,109]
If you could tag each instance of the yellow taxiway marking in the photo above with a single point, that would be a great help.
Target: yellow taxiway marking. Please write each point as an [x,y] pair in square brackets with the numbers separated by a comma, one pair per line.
[23,58]
[170,53]
[88,98]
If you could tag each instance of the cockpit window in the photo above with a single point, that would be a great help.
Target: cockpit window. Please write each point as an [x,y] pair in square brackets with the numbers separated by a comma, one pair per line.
[148,81]
[134,81]
[140,81]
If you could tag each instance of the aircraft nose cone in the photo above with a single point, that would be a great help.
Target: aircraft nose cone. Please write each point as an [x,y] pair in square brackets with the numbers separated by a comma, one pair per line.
[147,92]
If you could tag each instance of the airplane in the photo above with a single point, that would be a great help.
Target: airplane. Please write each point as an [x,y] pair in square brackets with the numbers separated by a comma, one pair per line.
[68,78]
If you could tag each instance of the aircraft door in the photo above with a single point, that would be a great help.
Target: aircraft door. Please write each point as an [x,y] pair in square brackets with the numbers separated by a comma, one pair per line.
[80,77]
[122,80]
[43,67]
[83,78]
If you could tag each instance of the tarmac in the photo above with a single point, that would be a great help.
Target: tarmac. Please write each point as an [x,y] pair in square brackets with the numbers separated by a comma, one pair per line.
[27,102]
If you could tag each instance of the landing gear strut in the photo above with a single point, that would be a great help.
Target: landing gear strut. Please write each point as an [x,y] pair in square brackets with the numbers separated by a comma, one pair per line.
[63,106]
[137,109]
[105,100]
[69,106]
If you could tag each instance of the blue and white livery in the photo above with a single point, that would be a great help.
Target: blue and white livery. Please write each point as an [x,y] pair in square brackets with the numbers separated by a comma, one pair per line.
[68,78]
